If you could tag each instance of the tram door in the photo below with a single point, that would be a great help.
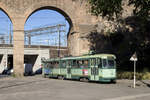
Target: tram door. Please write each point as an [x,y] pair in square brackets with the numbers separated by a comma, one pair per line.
[68,69]
[94,69]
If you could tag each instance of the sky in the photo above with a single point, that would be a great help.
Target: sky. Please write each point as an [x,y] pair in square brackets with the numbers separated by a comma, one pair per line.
[39,19]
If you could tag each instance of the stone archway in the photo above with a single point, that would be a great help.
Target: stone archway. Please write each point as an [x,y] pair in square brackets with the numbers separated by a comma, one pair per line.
[76,10]
[78,17]
[5,23]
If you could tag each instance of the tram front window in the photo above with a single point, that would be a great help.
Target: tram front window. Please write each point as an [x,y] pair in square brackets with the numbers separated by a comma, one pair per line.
[104,63]
[108,63]
[111,63]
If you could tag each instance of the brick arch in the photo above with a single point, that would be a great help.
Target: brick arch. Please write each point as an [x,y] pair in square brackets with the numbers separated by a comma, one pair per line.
[55,9]
[77,16]
[41,6]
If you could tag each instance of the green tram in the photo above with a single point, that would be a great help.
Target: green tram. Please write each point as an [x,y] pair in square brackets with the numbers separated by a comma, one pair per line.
[98,67]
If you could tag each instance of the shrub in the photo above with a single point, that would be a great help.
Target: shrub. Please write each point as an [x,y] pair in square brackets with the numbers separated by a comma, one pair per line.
[146,76]
[130,75]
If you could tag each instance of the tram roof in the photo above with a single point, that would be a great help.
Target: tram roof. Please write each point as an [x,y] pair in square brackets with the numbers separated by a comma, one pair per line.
[91,56]
[83,57]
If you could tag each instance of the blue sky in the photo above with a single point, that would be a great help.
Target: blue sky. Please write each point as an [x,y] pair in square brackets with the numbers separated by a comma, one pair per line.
[5,23]
[36,20]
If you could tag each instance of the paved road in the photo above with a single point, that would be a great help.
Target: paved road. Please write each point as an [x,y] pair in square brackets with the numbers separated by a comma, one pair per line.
[38,88]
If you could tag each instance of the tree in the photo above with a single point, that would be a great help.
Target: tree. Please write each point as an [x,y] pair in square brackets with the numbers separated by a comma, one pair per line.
[106,8]
[142,8]
[113,8]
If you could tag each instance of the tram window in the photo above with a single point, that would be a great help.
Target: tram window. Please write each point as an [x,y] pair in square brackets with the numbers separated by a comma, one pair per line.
[108,63]
[69,63]
[104,63]
[99,62]
[80,63]
[75,64]
[85,63]
[56,64]
[53,64]
[93,62]
[46,65]
[63,64]
[111,63]
[50,65]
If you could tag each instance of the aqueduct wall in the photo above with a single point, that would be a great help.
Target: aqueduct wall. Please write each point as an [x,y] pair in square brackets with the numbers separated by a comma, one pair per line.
[75,11]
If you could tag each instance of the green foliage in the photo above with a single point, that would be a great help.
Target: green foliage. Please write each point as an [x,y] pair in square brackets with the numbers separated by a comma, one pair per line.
[105,8]
[146,76]
[129,75]
[142,7]
[109,8]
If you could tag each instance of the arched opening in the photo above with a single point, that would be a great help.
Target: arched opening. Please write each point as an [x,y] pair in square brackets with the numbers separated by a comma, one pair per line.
[6,41]
[46,29]
[6,29]
[42,18]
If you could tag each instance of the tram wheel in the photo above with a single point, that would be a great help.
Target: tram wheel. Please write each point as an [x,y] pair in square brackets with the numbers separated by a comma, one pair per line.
[113,81]
[61,77]
[84,79]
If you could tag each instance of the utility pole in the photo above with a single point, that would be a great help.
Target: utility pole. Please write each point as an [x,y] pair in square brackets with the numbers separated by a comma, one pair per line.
[10,36]
[134,74]
[29,39]
[59,41]
[47,30]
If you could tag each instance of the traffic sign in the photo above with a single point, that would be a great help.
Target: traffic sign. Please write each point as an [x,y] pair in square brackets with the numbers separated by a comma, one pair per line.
[134,57]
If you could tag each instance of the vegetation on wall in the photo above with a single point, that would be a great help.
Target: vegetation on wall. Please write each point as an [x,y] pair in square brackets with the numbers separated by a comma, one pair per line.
[142,8]
[124,41]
